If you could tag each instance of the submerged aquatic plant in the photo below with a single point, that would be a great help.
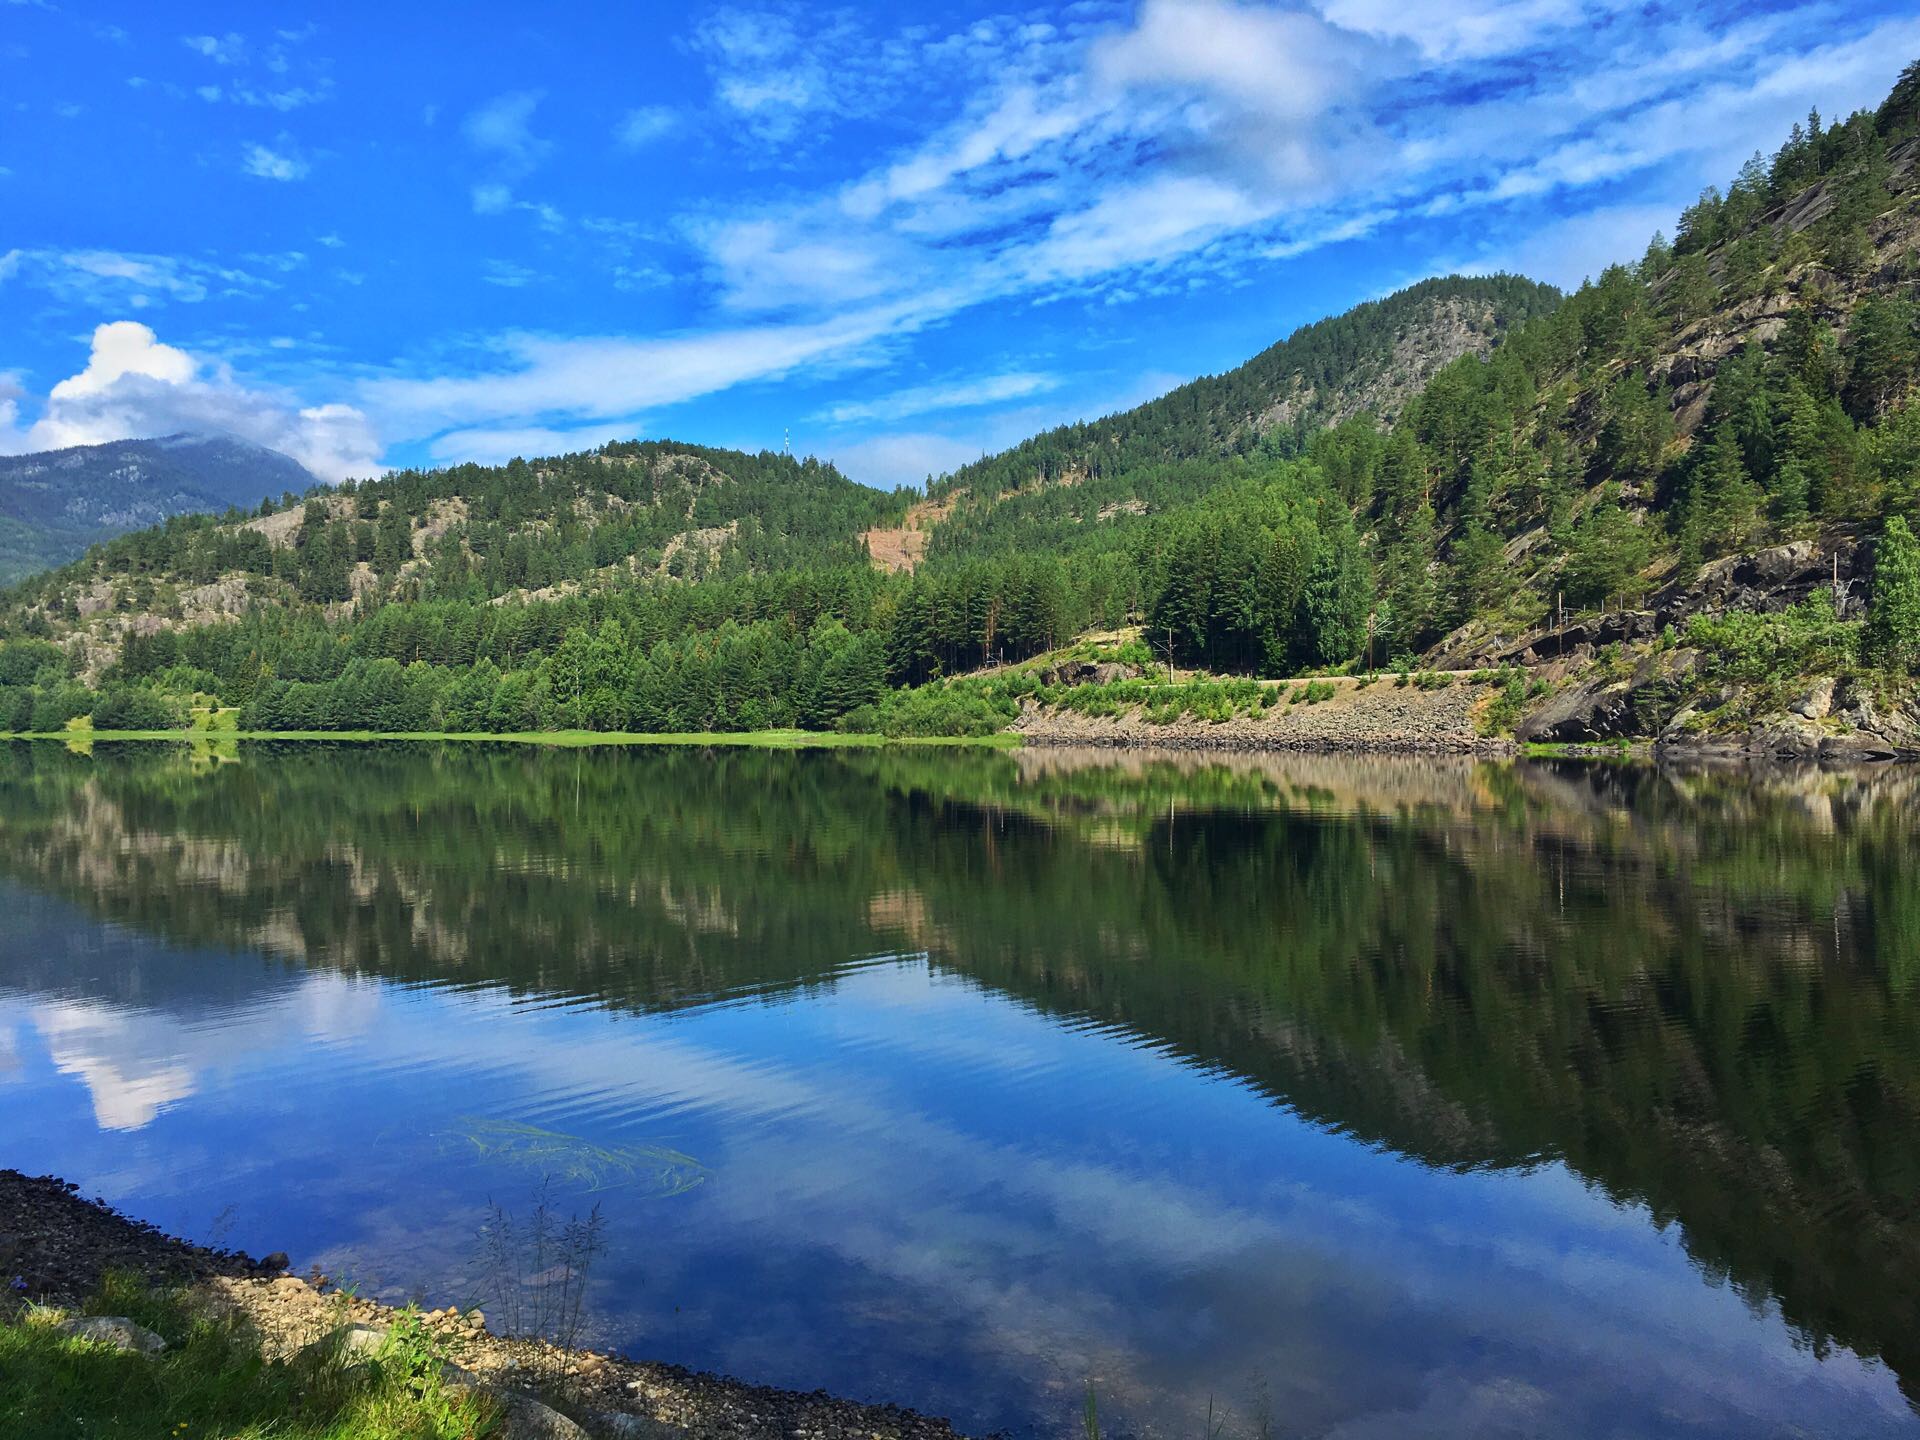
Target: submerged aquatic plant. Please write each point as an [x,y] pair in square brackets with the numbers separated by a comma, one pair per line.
[574,1161]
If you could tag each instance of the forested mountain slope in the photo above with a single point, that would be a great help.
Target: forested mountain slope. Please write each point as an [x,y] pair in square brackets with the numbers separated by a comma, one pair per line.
[1744,385]
[1368,361]
[55,503]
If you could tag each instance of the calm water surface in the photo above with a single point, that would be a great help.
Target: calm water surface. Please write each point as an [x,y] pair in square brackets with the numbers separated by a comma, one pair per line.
[1360,1098]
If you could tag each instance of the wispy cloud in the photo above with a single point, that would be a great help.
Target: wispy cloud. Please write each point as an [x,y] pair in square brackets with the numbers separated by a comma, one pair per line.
[956,395]
[116,280]
[608,376]
[1096,157]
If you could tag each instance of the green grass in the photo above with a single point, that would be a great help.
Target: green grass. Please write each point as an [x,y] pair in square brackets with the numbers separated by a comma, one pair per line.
[212,1381]
[756,739]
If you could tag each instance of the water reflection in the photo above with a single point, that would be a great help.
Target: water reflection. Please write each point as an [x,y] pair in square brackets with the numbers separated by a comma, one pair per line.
[1381,1097]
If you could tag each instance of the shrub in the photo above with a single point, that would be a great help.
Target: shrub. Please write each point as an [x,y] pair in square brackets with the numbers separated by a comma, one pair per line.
[1742,645]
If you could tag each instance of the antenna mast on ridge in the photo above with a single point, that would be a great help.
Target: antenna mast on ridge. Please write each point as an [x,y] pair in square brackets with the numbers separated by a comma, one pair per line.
[786,442]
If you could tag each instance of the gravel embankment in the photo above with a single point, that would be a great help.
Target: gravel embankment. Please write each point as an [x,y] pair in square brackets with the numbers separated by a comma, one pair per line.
[1380,717]
[58,1245]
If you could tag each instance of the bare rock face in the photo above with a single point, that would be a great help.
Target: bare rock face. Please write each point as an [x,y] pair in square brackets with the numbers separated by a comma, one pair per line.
[1817,702]
[1601,710]
[1770,580]
[1087,672]
[115,1331]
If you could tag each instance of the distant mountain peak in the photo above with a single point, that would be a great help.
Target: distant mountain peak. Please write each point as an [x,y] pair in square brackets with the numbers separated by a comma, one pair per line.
[55,503]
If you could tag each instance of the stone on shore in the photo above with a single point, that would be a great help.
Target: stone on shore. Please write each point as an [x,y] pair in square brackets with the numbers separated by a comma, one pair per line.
[113,1330]
[524,1418]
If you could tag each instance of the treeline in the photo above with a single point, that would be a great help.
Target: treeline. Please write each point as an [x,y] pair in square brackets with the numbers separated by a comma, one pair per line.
[1269,575]
[476,532]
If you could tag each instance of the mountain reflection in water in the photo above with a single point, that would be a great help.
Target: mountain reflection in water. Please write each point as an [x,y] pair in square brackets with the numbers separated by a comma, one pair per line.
[1360,1096]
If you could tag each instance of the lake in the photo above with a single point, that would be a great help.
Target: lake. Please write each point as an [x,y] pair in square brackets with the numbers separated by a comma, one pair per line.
[1347,1097]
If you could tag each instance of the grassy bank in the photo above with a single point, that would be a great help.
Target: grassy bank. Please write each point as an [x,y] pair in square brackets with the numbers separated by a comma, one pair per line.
[255,1353]
[756,739]
[213,1380]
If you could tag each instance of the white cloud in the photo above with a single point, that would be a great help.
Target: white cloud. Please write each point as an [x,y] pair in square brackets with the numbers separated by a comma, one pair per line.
[910,457]
[125,347]
[643,126]
[765,264]
[1145,224]
[267,164]
[618,376]
[761,71]
[502,126]
[1288,65]
[134,385]
[927,399]
[502,131]
[229,49]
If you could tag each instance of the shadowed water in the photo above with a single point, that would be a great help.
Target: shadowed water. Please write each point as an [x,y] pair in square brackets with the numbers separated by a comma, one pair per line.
[1354,1097]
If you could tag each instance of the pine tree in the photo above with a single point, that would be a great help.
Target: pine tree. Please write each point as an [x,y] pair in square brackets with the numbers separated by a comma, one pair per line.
[1722,507]
[1883,352]
[1893,621]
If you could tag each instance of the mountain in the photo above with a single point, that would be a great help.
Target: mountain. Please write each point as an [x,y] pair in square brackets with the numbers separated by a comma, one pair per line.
[56,503]
[1681,498]
[1368,361]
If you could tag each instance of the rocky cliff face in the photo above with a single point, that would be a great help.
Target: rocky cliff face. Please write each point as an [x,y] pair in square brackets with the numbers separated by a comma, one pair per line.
[1433,336]
[1689,365]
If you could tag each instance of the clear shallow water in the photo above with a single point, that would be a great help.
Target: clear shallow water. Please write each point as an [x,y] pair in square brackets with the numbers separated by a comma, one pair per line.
[1361,1098]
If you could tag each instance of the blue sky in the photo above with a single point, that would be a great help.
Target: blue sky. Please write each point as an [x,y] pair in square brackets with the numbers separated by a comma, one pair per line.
[394,234]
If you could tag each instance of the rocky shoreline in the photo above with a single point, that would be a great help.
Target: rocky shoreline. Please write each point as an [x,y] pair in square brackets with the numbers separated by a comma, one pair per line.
[56,1245]
[1380,717]
[1596,717]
